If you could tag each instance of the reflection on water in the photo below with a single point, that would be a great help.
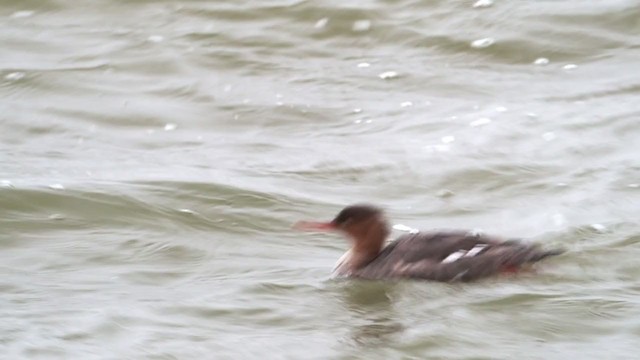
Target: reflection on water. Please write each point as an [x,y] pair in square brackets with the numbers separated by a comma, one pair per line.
[373,318]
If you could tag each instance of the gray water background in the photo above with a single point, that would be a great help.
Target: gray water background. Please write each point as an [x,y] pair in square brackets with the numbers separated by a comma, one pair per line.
[154,155]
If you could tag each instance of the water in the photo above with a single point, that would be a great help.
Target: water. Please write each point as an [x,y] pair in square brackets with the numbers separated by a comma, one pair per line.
[154,154]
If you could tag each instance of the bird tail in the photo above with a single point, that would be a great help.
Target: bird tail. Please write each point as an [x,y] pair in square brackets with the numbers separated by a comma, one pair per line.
[547,253]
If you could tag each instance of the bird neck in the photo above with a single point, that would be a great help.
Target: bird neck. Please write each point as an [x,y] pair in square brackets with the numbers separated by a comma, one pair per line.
[366,248]
[367,241]
[360,255]
[353,260]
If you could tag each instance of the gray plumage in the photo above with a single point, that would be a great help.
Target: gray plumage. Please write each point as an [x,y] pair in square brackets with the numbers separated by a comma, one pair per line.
[422,256]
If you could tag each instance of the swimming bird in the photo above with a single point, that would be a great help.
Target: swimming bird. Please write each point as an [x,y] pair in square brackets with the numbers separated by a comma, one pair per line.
[447,255]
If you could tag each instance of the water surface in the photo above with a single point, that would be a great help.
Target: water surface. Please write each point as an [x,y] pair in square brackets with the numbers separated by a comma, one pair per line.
[154,154]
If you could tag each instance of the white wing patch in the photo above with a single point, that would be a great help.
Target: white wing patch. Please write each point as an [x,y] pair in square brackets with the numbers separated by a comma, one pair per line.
[405,228]
[463,253]
[454,256]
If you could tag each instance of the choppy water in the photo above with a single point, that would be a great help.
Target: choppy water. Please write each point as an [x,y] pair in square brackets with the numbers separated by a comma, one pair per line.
[154,154]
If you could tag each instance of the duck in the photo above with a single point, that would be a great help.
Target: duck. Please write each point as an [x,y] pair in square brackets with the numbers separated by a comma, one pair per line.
[437,255]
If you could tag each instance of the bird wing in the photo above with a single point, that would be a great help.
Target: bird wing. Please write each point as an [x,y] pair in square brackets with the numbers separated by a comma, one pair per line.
[439,245]
[450,256]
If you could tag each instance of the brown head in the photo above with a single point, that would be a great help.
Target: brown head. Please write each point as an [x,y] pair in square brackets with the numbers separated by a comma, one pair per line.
[366,225]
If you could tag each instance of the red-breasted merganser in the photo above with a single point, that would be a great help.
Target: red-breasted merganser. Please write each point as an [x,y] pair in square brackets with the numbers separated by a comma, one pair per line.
[437,255]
